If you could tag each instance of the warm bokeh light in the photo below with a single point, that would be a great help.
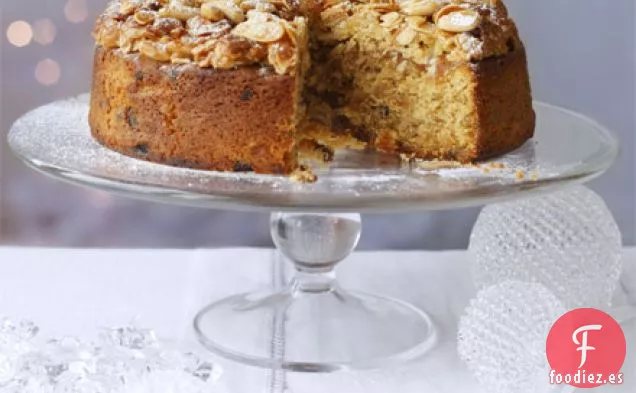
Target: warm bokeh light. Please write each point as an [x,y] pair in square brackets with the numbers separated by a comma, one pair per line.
[19,33]
[44,31]
[76,11]
[48,72]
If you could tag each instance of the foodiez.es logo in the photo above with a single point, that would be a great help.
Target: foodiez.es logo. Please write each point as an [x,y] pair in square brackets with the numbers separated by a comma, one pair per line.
[586,348]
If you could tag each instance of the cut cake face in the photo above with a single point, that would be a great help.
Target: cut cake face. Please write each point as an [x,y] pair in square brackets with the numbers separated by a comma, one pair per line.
[242,84]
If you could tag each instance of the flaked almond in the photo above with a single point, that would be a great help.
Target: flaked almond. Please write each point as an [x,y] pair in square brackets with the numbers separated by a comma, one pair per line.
[108,35]
[200,27]
[202,50]
[290,30]
[418,23]
[390,19]
[447,10]
[180,60]
[401,67]
[211,12]
[384,7]
[258,5]
[164,26]
[260,16]
[144,17]
[231,10]
[334,15]
[282,57]
[330,3]
[180,12]
[153,51]
[127,7]
[406,36]
[419,7]
[260,32]
[457,19]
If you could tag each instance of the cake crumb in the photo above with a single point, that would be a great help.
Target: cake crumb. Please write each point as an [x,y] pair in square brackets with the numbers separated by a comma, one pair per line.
[438,164]
[407,157]
[497,165]
[303,175]
[520,174]
[534,176]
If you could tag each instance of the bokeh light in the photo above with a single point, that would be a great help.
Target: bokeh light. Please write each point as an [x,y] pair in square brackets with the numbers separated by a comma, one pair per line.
[76,11]
[48,72]
[44,31]
[19,33]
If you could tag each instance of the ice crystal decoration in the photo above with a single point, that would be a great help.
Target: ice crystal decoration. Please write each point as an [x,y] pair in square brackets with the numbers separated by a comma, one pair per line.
[568,241]
[121,360]
[503,333]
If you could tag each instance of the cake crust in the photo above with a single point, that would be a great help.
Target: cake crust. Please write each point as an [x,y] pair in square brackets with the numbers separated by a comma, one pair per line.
[194,117]
[505,119]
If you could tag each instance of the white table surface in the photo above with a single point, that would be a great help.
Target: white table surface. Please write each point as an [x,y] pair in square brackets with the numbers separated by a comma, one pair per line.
[76,292]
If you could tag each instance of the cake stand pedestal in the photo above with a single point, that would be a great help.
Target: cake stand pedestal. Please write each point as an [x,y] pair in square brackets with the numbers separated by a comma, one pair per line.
[317,326]
[313,324]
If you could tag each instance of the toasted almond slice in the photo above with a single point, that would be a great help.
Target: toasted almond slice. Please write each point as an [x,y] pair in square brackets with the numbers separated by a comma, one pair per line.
[419,7]
[260,16]
[417,23]
[334,15]
[260,32]
[182,13]
[447,10]
[290,30]
[180,60]
[330,3]
[144,17]
[151,50]
[406,36]
[458,21]
[282,57]
[384,7]
[402,66]
[231,10]
[264,6]
[390,19]
[211,12]
[127,7]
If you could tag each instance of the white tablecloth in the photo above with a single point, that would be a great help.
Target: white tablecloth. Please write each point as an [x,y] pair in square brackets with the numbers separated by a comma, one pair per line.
[76,292]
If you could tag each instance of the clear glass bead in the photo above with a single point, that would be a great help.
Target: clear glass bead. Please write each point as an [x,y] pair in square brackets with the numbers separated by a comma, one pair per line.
[503,333]
[568,241]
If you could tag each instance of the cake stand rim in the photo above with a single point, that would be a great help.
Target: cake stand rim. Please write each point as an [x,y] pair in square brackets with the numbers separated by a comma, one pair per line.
[490,194]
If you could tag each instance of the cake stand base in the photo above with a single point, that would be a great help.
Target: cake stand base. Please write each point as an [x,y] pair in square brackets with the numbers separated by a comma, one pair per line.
[313,325]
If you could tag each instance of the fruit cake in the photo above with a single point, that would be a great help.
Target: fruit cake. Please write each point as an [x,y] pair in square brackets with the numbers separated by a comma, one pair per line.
[242,85]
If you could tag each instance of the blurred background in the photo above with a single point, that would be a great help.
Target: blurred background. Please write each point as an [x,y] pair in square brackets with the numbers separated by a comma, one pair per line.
[581,56]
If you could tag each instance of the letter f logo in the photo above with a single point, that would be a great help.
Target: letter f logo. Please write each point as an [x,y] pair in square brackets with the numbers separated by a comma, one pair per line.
[583,344]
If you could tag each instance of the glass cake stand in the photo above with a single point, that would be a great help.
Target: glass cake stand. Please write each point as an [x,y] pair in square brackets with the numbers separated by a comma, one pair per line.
[313,324]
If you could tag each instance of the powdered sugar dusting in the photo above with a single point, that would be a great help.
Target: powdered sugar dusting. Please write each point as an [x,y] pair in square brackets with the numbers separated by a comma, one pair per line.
[473,46]
[56,139]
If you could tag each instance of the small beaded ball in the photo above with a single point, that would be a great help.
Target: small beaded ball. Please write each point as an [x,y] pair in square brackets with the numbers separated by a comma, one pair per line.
[502,337]
[568,241]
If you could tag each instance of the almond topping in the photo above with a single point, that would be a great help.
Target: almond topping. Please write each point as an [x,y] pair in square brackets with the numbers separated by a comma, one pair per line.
[419,7]
[211,12]
[406,36]
[260,32]
[456,19]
